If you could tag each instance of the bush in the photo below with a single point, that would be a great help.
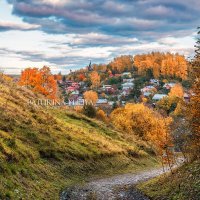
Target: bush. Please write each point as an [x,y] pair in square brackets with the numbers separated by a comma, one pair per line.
[101,115]
[89,110]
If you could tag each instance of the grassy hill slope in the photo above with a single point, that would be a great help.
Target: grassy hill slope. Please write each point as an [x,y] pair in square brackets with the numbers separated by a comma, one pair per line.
[44,150]
[184,184]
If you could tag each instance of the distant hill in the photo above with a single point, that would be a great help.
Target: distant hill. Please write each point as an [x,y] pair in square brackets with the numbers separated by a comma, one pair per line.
[44,150]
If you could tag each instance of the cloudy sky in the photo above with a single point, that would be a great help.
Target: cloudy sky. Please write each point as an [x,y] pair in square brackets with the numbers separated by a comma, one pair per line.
[67,34]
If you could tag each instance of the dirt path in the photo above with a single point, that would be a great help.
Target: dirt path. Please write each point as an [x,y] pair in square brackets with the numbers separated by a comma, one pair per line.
[110,188]
[113,188]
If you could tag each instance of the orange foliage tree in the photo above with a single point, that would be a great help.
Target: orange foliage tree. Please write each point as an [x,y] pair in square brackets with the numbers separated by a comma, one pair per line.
[147,124]
[122,63]
[101,115]
[90,96]
[165,64]
[81,77]
[58,76]
[177,91]
[39,80]
[95,79]
[193,113]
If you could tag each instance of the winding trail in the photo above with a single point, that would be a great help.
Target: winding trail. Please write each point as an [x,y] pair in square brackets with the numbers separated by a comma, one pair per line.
[114,188]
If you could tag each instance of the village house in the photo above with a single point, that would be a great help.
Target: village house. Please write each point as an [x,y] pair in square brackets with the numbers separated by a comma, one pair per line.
[126,92]
[158,97]
[127,74]
[129,80]
[169,85]
[70,89]
[107,88]
[75,84]
[126,86]
[147,94]
[148,88]
[154,81]
[110,103]
[101,102]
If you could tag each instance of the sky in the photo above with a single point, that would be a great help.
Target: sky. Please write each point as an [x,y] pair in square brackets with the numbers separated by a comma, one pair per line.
[67,34]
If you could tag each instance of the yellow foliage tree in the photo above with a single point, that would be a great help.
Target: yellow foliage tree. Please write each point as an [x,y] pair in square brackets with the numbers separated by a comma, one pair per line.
[101,115]
[147,124]
[177,90]
[90,96]
[95,79]
[165,64]
[193,113]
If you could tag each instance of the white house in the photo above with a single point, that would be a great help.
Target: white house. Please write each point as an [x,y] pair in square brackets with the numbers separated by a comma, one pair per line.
[127,74]
[101,101]
[148,88]
[158,97]
[154,81]
[147,94]
[107,87]
[126,86]
[128,80]
[110,103]
[169,85]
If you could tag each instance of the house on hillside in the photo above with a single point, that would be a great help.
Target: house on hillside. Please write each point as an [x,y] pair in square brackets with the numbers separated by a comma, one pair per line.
[75,84]
[70,89]
[158,97]
[127,86]
[101,102]
[128,80]
[169,85]
[126,92]
[148,88]
[127,74]
[108,88]
[68,83]
[117,75]
[110,103]
[147,94]
[154,81]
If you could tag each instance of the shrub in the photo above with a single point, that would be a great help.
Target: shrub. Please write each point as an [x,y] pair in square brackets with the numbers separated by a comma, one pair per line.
[89,110]
[101,115]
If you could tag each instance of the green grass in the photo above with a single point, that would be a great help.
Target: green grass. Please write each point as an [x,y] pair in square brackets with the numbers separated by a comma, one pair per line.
[45,150]
[183,184]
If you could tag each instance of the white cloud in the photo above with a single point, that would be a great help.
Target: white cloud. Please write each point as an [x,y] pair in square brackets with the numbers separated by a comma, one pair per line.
[9,25]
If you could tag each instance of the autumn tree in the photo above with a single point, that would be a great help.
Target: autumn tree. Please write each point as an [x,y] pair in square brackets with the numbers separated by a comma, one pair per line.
[193,113]
[101,115]
[90,97]
[147,124]
[171,105]
[58,76]
[122,63]
[39,80]
[162,64]
[81,77]
[95,79]
[177,91]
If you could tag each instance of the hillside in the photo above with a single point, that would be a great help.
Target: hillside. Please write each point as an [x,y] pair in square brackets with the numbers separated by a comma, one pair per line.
[184,184]
[43,150]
